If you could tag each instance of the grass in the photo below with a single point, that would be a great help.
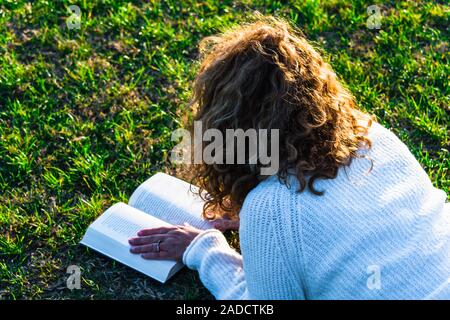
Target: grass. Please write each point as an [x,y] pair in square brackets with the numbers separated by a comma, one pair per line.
[86,115]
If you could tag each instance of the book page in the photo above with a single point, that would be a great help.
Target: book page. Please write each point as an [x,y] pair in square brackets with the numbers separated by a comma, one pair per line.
[109,235]
[170,199]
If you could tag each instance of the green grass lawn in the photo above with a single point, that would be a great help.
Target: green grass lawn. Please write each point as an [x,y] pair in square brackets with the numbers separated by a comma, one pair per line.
[86,115]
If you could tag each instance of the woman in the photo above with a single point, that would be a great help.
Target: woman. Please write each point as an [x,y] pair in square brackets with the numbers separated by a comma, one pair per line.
[350,213]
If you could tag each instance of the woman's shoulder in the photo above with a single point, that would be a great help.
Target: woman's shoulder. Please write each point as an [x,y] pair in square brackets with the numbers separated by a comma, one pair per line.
[272,188]
[388,164]
[382,136]
[390,152]
[269,199]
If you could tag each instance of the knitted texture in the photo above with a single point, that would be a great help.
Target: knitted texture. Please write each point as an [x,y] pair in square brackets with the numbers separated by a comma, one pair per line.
[380,231]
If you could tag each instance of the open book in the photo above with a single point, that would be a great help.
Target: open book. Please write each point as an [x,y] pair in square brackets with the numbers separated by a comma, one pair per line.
[162,200]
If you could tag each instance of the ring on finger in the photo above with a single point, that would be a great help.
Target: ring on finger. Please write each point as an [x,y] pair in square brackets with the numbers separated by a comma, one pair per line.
[158,247]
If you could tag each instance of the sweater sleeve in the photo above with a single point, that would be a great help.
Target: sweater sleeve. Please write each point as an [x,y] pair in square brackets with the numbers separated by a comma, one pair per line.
[220,267]
[262,272]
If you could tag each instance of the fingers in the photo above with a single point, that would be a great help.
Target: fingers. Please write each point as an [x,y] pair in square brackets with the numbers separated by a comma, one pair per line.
[165,243]
[234,225]
[153,231]
[142,240]
[153,247]
[163,255]
[225,224]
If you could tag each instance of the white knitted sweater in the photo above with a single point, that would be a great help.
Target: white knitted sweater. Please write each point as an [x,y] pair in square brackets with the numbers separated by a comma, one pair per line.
[378,235]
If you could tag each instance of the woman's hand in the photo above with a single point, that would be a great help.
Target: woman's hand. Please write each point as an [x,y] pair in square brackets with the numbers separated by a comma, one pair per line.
[165,243]
[224,224]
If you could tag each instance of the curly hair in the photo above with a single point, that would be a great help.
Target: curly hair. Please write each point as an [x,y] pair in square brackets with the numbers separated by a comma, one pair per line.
[266,75]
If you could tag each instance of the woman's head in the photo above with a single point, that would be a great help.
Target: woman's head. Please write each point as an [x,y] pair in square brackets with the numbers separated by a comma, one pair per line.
[266,75]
